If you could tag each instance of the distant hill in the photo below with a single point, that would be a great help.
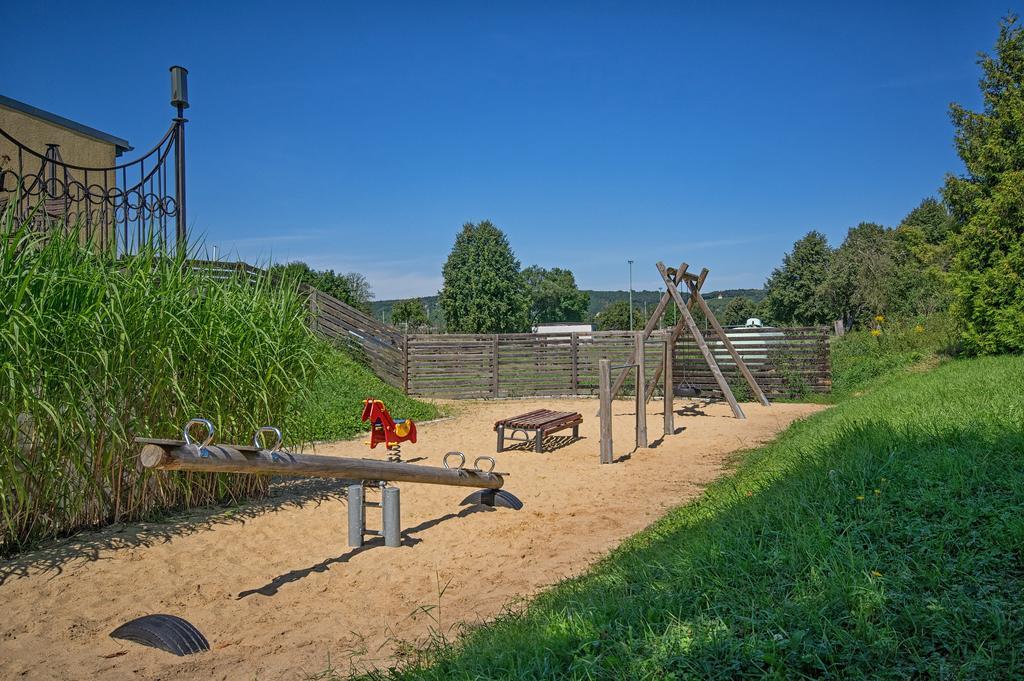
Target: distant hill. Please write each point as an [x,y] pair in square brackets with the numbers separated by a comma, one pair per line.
[717,300]
[598,300]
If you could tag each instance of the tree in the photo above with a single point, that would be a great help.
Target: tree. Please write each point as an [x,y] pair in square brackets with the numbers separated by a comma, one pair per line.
[988,203]
[863,275]
[738,310]
[932,219]
[554,296]
[483,288]
[926,233]
[412,313]
[794,291]
[351,288]
[615,317]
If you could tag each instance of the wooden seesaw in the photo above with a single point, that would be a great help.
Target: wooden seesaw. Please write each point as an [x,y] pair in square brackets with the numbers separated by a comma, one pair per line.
[202,456]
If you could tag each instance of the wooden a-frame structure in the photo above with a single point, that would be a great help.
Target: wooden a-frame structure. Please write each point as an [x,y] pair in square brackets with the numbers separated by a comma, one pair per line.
[673,278]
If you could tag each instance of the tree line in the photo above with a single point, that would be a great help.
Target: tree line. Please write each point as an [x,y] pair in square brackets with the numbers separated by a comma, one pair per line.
[963,254]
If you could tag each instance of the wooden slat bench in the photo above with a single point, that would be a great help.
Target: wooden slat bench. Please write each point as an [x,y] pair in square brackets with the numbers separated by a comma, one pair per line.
[541,423]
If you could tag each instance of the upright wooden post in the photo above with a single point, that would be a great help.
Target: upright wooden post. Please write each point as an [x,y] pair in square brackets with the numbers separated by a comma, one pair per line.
[494,366]
[839,327]
[405,364]
[667,360]
[575,345]
[604,384]
[698,337]
[314,308]
[641,394]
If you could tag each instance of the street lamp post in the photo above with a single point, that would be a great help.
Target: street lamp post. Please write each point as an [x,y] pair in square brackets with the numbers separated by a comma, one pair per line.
[179,100]
[630,294]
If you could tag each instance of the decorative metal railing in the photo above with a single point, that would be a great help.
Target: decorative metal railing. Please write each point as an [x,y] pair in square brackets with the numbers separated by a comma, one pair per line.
[119,207]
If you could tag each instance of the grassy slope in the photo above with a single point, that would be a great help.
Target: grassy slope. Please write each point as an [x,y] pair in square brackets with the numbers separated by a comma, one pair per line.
[859,358]
[332,407]
[882,538]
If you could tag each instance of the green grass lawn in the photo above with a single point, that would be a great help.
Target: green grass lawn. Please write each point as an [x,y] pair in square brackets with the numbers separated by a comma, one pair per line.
[882,538]
[330,410]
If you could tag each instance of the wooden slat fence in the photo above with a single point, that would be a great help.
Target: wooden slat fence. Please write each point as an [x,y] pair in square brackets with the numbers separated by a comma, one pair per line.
[786,362]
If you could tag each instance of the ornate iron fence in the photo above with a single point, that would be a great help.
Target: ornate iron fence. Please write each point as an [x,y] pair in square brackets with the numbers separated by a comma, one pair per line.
[118,207]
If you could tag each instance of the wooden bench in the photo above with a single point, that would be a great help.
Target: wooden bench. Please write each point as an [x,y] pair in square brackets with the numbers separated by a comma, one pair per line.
[536,425]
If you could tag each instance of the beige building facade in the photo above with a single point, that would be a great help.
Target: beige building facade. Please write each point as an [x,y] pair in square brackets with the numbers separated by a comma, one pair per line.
[31,136]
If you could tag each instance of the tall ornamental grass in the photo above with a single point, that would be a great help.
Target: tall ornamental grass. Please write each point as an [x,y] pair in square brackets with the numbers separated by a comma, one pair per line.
[95,350]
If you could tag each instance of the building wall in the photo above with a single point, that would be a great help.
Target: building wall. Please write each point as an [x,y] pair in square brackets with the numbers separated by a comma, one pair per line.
[75,148]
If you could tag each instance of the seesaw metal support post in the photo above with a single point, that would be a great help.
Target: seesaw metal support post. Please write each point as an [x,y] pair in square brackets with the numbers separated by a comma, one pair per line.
[390,507]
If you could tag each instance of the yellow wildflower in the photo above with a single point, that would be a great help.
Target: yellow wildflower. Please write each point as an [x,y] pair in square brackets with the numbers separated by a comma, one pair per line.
[879,318]
[876,332]
[876,573]
[918,329]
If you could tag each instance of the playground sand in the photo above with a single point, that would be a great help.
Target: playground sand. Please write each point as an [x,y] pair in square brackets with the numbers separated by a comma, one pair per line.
[278,593]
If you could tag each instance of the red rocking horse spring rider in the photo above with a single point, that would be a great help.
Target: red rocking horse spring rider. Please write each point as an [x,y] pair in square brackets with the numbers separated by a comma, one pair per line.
[383,428]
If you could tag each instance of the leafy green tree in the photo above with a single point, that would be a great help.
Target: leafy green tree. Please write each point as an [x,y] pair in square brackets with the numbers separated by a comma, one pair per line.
[411,313]
[351,288]
[737,311]
[932,219]
[863,274]
[926,234]
[794,290]
[554,296]
[988,203]
[615,317]
[483,288]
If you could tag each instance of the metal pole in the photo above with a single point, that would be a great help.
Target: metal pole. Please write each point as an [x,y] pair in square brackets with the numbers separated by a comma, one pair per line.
[356,524]
[179,100]
[180,232]
[630,294]
[392,516]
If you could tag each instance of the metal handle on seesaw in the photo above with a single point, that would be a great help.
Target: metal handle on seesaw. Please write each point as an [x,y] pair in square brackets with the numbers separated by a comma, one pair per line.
[200,449]
[257,441]
[476,464]
[462,460]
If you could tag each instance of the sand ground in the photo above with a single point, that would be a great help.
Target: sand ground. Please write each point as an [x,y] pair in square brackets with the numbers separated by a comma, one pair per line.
[277,591]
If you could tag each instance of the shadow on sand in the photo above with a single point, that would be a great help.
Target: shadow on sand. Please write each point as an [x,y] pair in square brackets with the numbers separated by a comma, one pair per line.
[271,588]
[89,545]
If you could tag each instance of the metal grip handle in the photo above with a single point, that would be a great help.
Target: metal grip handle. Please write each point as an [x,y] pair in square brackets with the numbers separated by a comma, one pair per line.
[462,459]
[476,464]
[257,441]
[206,423]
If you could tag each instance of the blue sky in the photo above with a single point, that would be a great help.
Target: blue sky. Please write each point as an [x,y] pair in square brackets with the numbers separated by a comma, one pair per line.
[360,136]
